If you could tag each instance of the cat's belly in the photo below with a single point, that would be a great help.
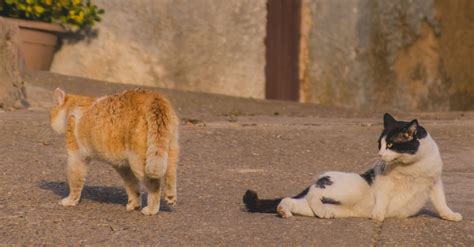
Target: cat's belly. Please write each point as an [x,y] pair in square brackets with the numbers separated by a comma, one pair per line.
[103,154]
[406,204]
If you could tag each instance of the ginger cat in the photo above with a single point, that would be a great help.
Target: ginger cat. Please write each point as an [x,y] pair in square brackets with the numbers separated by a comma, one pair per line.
[135,131]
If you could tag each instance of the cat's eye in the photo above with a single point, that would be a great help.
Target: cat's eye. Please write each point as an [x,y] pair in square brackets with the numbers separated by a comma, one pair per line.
[389,145]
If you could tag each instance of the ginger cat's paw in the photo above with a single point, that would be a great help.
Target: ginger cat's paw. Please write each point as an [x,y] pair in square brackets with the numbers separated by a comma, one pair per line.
[150,211]
[171,200]
[131,206]
[452,216]
[68,202]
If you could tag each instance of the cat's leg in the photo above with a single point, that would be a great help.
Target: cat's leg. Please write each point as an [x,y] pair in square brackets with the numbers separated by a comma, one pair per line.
[171,195]
[153,187]
[132,187]
[325,207]
[439,201]
[381,204]
[294,206]
[76,174]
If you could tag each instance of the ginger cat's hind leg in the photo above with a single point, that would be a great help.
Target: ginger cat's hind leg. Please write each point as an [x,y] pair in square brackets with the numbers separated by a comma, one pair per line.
[132,187]
[153,187]
[76,173]
[170,177]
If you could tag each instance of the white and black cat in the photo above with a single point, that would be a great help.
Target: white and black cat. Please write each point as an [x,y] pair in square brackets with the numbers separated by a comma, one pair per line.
[399,185]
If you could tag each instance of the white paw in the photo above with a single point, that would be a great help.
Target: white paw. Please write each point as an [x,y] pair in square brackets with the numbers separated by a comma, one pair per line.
[452,216]
[327,215]
[150,211]
[378,216]
[283,212]
[133,205]
[68,202]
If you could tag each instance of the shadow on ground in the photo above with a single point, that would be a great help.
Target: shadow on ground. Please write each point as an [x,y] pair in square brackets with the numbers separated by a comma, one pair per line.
[101,194]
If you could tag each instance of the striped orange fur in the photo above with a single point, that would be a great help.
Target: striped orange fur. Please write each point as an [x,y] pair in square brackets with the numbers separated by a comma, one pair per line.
[135,131]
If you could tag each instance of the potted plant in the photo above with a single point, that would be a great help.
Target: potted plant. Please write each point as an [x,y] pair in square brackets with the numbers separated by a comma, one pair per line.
[40,22]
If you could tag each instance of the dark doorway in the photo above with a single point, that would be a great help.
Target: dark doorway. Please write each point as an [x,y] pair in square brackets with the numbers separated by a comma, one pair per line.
[282,49]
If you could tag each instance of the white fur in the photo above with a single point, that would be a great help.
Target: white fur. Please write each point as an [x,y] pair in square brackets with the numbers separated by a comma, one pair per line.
[407,183]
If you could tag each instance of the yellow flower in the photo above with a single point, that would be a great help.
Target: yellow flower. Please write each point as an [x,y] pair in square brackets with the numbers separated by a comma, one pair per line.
[29,1]
[80,17]
[76,2]
[38,9]
[48,2]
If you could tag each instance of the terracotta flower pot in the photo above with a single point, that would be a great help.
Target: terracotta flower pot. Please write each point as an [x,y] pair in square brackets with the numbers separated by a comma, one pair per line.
[38,42]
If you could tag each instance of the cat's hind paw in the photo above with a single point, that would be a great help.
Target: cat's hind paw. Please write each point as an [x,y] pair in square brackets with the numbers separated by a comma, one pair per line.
[133,205]
[171,200]
[283,212]
[452,216]
[68,202]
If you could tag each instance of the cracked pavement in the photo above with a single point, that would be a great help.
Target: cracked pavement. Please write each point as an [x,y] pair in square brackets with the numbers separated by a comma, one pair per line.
[228,145]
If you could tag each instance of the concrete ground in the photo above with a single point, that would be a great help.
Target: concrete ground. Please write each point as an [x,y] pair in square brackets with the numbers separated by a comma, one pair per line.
[228,145]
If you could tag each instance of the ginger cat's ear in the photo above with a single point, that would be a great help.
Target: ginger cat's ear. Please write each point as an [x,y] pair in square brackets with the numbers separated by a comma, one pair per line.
[59,96]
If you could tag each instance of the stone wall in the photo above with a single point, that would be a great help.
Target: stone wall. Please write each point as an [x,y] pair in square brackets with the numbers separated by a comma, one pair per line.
[367,54]
[405,55]
[199,45]
[12,68]
[456,48]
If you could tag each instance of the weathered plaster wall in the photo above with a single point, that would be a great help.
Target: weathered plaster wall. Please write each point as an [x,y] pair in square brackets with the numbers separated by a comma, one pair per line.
[369,54]
[406,55]
[12,68]
[200,45]
[456,48]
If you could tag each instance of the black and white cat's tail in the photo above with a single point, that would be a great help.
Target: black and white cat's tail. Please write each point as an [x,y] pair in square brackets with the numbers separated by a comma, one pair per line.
[255,205]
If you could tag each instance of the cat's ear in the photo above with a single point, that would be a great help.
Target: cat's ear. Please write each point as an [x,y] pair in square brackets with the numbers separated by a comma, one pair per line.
[410,129]
[59,96]
[388,120]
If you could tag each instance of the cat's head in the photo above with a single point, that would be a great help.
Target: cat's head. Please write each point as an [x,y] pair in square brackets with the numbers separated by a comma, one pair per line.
[400,140]
[58,114]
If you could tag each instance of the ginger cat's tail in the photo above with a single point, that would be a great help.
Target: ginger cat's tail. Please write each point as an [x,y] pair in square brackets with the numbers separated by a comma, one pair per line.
[160,131]
[255,205]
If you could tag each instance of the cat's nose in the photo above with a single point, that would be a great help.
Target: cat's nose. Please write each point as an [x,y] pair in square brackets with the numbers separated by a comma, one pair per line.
[380,153]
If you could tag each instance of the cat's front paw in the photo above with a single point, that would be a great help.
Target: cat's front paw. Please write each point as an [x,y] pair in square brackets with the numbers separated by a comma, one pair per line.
[452,216]
[150,210]
[69,202]
[378,216]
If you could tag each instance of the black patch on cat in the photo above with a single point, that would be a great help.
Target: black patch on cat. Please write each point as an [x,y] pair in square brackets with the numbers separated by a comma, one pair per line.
[323,182]
[393,129]
[255,205]
[369,176]
[326,200]
[302,194]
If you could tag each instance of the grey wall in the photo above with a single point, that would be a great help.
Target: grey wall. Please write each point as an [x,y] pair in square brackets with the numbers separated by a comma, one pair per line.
[200,45]
[368,54]
[406,55]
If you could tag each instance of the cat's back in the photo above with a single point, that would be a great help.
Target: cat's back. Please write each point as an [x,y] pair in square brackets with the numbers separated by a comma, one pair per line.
[126,108]
[117,123]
